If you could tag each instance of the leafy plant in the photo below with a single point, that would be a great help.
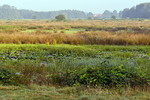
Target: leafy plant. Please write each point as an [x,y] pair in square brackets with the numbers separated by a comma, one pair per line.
[6,76]
[103,76]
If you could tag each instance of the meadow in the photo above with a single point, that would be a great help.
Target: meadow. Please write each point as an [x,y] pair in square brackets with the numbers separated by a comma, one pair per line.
[77,59]
[119,32]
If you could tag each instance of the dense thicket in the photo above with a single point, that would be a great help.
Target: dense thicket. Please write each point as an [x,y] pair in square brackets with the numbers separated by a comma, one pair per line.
[9,12]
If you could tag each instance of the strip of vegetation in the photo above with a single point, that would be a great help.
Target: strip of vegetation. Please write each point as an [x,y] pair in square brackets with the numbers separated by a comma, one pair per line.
[74,32]
[66,65]
[103,77]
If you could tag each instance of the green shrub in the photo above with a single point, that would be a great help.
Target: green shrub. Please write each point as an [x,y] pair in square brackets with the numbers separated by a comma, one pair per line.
[6,77]
[103,76]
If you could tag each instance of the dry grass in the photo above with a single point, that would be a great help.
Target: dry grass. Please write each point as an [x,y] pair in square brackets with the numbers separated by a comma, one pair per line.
[70,93]
[108,23]
[115,39]
[101,37]
[112,32]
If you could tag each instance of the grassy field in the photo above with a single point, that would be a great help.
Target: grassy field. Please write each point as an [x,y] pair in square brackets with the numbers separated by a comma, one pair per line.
[79,60]
[110,32]
[69,31]
[69,93]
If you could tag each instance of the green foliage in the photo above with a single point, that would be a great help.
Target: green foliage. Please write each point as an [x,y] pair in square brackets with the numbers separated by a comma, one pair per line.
[88,65]
[89,18]
[6,77]
[113,17]
[60,17]
[103,76]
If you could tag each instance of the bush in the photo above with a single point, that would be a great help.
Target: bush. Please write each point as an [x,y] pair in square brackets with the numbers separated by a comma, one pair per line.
[6,77]
[103,76]
[60,17]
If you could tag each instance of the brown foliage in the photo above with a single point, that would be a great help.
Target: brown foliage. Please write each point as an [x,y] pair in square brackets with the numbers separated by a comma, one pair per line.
[100,37]
[121,32]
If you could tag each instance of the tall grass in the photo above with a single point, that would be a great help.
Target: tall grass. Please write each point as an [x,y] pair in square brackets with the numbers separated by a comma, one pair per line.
[112,32]
[100,37]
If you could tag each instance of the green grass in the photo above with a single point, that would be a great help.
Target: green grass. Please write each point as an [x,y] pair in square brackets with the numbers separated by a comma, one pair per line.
[69,93]
[70,31]
[31,92]
[7,26]
[28,31]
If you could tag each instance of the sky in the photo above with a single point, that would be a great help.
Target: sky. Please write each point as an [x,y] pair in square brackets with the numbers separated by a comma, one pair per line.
[94,6]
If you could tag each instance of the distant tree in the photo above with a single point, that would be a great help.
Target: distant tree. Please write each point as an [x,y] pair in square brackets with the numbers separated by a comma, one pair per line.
[34,17]
[115,13]
[90,14]
[89,18]
[60,17]
[139,11]
[120,14]
[113,17]
[107,14]
[10,12]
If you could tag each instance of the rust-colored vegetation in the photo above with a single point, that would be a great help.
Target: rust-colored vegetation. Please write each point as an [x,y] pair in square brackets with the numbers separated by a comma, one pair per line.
[123,32]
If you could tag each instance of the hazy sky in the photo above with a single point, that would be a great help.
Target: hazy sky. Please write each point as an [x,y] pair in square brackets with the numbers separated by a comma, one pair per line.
[95,6]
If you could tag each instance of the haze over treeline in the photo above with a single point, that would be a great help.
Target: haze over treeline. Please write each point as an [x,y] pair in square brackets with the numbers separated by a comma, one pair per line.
[139,11]
[9,12]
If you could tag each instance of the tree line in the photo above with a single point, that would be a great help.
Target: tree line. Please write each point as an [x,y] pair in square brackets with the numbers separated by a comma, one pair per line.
[139,11]
[10,12]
